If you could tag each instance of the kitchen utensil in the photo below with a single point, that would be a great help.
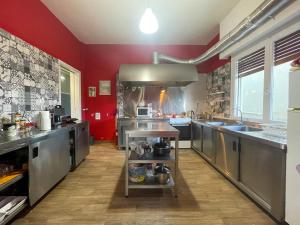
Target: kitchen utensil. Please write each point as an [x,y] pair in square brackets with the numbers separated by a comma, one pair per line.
[161,149]
[10,129]
[162,173]
[137,172]
[147,152]
[163,178]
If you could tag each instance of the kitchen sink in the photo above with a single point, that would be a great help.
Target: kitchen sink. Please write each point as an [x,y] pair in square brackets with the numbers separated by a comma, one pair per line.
[216,123]
[242,128]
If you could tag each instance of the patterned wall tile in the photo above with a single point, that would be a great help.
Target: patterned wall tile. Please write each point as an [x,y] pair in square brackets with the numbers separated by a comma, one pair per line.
[219,81]
[29,77]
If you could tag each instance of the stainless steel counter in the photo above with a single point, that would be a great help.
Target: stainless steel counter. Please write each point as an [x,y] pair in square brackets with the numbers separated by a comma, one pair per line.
[260,136]
[125,123]
[155,130]
[49,154]
[150,129]
[143,119]
[26,138]
[253,161]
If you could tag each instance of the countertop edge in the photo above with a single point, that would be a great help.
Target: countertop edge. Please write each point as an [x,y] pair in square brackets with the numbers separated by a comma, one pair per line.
[26,141]
[248,135]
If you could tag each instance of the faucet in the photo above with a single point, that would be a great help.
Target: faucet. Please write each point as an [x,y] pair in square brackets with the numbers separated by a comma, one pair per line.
[192,114]
[241,115]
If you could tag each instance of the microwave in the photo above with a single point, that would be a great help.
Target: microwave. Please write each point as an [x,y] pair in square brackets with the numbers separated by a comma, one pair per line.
[144,112]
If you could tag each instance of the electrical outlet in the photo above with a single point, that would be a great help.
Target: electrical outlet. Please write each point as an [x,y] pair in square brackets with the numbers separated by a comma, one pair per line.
[98,116]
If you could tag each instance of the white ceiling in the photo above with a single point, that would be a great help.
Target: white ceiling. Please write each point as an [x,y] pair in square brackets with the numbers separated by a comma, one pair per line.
[116,21]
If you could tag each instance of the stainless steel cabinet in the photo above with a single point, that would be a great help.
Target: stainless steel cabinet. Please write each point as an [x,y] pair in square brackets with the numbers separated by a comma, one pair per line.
[82,145]
[49,162]
[262,171]
[197,136]
[227,155]
[208,143]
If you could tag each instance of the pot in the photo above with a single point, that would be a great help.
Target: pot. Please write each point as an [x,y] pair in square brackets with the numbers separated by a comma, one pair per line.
[163,178]
[162,173]
[161,149]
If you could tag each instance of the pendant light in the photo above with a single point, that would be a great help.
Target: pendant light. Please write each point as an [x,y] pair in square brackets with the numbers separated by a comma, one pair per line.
[148,23]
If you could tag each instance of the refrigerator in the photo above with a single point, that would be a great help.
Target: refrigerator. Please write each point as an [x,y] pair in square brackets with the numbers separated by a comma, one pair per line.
[292,212]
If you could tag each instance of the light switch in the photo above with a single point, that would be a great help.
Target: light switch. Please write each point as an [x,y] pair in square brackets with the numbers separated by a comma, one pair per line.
[98,116]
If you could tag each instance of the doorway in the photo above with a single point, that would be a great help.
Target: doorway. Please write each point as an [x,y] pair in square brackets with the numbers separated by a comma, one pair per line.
[70,90]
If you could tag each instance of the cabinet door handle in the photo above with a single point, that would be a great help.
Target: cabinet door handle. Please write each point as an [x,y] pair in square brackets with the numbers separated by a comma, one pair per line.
[35,152]
[234,146]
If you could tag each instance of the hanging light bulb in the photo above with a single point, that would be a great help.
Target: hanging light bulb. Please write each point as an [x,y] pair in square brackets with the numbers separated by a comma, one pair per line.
[148,23]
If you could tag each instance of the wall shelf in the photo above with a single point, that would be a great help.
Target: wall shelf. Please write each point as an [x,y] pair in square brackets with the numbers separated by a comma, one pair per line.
[217,93]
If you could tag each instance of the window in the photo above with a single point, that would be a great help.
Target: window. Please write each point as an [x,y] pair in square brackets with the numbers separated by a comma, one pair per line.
[251,84]
[260,80]
[70,92]
[251,90]
[280,91]
[285,50]
[65,90]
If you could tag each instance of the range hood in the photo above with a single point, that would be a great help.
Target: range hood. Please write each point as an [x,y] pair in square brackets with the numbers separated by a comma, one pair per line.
[170,75]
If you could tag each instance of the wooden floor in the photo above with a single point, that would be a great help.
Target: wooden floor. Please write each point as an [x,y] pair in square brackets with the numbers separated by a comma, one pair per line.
[94,194]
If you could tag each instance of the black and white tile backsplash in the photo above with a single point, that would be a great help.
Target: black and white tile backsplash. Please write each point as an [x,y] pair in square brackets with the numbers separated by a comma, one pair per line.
[29,78]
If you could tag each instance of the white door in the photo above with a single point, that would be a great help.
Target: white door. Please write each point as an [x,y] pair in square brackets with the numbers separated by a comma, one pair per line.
[293,169]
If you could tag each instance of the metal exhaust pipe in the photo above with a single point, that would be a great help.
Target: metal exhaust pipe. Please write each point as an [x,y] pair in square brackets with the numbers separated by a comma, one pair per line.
[267,10]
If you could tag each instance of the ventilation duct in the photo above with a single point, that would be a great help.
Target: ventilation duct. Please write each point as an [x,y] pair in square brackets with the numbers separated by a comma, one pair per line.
[262,14]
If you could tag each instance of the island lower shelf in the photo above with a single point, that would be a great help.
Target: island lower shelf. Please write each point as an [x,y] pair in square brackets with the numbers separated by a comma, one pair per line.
[151,184]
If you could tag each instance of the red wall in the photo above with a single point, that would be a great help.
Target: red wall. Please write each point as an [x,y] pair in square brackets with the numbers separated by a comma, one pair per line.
[102,62]
[31,21]
[213,63]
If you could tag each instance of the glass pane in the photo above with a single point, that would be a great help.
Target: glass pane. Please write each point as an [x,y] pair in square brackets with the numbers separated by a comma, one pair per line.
[280,93]
[65,91]
[251,95]
[66,103]
[65,81]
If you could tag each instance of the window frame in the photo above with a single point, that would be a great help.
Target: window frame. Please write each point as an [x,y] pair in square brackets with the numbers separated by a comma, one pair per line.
[235,90]
[269,43]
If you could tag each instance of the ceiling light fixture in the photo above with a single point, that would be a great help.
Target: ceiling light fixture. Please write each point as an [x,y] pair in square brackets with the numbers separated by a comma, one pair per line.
[148,23]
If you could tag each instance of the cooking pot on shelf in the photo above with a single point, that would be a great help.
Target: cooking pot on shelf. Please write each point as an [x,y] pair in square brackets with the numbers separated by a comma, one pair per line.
[161,149]
[162,173]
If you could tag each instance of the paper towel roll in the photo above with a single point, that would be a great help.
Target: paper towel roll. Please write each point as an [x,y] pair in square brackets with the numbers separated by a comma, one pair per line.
[45,120]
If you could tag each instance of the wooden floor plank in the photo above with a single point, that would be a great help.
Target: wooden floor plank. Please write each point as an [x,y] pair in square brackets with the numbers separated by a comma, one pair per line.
[94,194]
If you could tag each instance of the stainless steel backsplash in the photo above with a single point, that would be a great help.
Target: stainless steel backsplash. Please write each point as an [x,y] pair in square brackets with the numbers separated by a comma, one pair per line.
[169,102]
